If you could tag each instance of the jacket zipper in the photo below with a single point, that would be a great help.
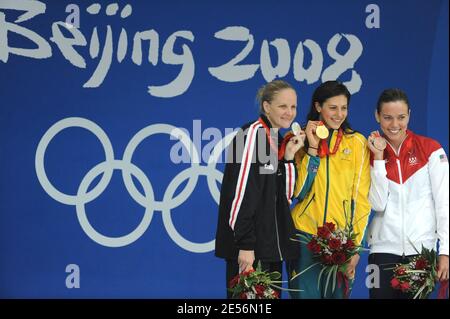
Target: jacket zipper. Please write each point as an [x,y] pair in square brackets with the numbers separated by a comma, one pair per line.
[328,181]
[328,189]
[276,229]
[402,208]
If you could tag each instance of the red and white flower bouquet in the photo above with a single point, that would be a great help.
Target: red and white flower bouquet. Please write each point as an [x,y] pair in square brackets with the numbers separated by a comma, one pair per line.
[418,277]
[332,248]
[255,284]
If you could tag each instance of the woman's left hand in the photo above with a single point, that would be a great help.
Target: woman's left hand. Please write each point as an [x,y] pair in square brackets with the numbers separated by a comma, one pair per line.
[295,143]
[442,271]
[351,267]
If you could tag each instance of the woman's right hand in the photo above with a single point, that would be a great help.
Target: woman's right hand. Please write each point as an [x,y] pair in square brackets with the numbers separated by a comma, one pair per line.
[377,153]
[310,130]
[295,143]
[246,259]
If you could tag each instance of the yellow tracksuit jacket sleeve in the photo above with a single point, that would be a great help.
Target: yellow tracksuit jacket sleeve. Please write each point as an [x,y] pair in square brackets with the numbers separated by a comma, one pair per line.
[307,167]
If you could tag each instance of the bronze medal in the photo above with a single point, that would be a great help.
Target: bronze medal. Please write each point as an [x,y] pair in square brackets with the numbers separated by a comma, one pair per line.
[379,143]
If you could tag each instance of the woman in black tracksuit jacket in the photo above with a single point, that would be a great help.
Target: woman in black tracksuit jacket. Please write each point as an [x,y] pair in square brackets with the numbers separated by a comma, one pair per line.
[254,221]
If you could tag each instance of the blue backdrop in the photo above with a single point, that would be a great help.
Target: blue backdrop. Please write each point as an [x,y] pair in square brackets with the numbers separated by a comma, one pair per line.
[98,197]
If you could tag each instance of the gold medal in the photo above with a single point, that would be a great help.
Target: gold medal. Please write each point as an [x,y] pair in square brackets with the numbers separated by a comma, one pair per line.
[322,131]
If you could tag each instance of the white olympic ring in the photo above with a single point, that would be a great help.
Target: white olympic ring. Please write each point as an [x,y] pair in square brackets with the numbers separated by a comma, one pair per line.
[107,167]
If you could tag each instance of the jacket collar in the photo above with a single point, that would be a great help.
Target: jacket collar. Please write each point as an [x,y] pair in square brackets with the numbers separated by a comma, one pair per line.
[267,123]
[266,120]
[406,145]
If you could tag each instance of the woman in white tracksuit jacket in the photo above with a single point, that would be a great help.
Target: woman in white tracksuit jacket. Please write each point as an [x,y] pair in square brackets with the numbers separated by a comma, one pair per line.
[409,194]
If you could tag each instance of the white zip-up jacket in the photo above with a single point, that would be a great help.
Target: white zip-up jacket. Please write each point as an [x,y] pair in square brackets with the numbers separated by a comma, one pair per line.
[409,195]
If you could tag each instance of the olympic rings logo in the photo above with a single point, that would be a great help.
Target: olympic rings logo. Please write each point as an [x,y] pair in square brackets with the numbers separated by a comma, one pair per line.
[146,200]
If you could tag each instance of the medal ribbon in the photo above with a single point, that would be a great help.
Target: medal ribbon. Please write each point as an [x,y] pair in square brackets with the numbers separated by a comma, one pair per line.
[272,145]
[323,145]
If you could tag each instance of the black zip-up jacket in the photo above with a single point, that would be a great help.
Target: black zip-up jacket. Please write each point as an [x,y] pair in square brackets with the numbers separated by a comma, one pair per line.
[254,212]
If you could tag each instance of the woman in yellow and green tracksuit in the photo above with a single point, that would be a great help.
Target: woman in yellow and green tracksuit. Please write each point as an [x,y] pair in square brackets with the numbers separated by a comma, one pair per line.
[343,179]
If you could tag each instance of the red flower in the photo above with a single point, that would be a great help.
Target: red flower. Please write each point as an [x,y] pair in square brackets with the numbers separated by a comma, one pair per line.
[311,244]
[401,271]
[395,283]
[248,272]
[323,232]
[421,263]
[260,290]
[314,246]
[326,259]
[404,286]
[330,226]
[334,243]
[317,249]
[234,281]
[349,244]
[338,258]
[243,295]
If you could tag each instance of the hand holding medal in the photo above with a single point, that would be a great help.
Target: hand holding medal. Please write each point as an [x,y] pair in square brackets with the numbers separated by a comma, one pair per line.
[377,144]
[322,131]
[313,139]
[297,131]
[296,141]
[377,141]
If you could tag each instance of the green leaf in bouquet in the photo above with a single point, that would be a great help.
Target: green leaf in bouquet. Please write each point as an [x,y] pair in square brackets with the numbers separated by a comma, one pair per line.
[304,270]
[420,291]
[329,273]
[320,277]
[391,268]
[303,239]
[416,271]
[335,269]
[258,266]
[412,244]
[275,275]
